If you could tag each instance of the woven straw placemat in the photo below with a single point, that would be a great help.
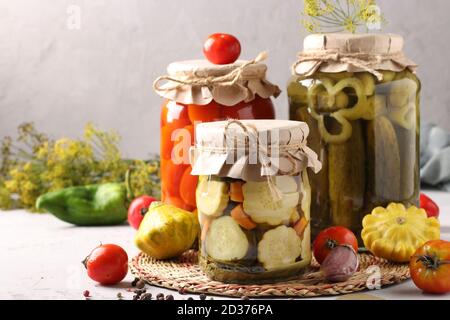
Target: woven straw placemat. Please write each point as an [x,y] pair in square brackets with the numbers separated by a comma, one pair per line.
[184,272]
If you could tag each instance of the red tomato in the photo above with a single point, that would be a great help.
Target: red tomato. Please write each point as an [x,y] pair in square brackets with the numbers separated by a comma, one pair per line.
[329,238]
[429,205]
[137,210]
[187,187]
[221,48]
[178,202]
[171,177]
[258,108]
[175,113]
[107,264]
[207,113]
[430,267]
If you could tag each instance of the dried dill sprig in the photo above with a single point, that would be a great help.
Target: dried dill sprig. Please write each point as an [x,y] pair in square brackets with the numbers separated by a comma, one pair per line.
[35,164]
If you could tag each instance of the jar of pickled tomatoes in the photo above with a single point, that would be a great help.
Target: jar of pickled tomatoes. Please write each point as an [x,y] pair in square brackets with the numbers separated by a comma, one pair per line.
[198,91]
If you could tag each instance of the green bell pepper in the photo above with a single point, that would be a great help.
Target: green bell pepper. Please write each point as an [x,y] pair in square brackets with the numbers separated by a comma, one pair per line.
[92,205]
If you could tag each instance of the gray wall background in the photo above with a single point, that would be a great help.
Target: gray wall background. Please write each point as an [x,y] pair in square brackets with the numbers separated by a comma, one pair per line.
[61,78]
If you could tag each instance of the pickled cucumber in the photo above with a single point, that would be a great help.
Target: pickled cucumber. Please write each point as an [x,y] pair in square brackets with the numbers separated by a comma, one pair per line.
[320,215]
[383,163]
[402,92]
[346,170]
[409,162]
[404,116]
[388,76]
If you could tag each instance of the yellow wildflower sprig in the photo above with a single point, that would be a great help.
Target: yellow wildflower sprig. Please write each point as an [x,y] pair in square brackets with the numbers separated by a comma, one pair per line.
[35,164]
[341,15]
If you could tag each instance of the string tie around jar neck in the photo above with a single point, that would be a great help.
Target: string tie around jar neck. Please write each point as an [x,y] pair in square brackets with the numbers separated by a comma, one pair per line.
[362,60]
[236,75]
[268,156]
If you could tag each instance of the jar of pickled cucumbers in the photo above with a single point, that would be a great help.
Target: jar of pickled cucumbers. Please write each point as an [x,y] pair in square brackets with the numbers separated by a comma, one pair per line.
[253,199]
[360,97]
[199,91]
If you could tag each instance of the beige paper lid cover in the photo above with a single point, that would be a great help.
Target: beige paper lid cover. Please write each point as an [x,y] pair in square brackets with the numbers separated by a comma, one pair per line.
[252,149]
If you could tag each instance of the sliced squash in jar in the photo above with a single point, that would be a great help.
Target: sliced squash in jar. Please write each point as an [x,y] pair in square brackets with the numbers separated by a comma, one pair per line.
[279,247]
[226,241]
[261,205]
[212,197]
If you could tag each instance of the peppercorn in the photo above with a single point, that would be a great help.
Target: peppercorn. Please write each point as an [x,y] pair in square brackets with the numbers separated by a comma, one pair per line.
[245,298]
[86,293]
[160,296]
[140,291]
[169,297]
[190,298]
[134,282]
[146,296]
[203,296]
[182,291]
[140,284]
[119,296]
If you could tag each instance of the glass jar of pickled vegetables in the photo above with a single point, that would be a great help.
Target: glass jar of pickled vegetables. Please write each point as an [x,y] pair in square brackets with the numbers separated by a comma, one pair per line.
[199,91]
[253,199]
[360,97]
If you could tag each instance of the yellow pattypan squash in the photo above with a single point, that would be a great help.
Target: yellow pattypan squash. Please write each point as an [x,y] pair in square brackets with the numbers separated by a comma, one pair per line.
[395,233]
[166,231]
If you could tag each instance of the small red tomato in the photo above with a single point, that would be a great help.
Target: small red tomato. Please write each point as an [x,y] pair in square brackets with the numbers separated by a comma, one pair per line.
[329,238]
[430,267]
[429,205]
[137,210]
[107,264]
[221,48]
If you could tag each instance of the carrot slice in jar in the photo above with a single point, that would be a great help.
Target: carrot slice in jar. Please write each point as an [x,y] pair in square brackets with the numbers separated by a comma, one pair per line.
[236,194]
[300,227]
[239,215]
[187,187]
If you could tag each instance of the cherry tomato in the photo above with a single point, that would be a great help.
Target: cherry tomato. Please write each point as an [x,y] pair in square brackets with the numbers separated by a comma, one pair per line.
[187,187]
[107,264]
[329,238]
[222,48]
[171,177]
[429,205]
[174,113]
[137,210]
[178,202]
[430,267]
[258,108]
[207,113]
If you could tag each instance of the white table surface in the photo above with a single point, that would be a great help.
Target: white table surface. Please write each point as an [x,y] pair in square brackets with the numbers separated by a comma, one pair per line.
[41,258]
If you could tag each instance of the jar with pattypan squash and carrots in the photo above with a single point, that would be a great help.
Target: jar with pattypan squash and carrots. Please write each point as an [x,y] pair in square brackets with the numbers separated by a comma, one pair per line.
[360,96]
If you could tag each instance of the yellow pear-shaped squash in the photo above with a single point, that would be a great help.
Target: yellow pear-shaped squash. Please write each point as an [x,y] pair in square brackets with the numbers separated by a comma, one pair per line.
[395,233]
[166,231]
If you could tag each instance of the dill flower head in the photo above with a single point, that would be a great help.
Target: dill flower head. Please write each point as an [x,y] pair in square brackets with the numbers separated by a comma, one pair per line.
[341,15]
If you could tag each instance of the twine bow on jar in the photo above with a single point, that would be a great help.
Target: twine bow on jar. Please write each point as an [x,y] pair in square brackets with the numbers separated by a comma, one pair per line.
[268,156]
[362,60]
